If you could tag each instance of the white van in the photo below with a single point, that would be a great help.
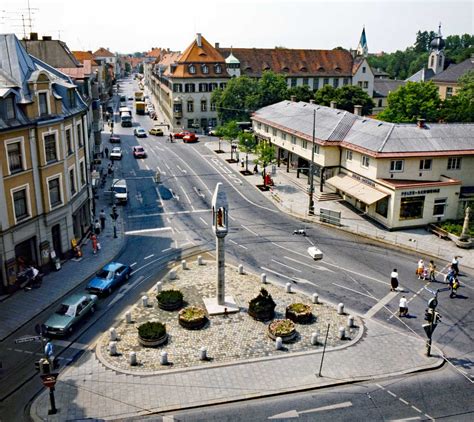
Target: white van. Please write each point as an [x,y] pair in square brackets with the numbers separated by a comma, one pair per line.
[120,191]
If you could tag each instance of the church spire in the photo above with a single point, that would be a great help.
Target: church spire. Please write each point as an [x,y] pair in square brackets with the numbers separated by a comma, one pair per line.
[362,49]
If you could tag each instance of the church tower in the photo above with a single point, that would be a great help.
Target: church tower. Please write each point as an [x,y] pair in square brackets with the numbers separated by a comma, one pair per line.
[362,49]
[436,58]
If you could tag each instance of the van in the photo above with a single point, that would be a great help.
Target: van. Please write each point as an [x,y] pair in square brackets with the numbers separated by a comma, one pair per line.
[120,191]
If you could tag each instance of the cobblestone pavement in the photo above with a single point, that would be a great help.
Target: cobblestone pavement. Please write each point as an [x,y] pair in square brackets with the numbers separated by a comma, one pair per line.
[227,338]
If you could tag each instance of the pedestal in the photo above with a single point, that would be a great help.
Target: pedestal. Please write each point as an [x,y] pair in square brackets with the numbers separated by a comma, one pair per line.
[227,307]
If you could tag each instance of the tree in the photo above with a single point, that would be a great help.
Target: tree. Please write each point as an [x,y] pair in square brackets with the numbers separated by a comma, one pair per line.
[140,68]
[247,144]
[412,101]
[346,98]
[325,95]
[230,131]
[128,67]
[302,93]
[460,107]
[265,156]
[271,89]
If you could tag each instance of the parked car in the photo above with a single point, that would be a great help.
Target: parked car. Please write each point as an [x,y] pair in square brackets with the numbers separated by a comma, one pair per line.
[109,277]
[123,98]
[181,135]
[72,309]
[157,131]
[192,137]
[116,153]
[152,115]
[114,139]
[139,132]
[139,152]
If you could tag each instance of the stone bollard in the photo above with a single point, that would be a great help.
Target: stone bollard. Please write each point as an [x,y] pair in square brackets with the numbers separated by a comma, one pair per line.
[164,358]
[172,275]
[350,321]
[315,298]
[314,339]
[278,343]
[203,353]
[128,317]
[263,278]
[288,288]
[342,333]
[145,301]
[184,264]
[199,260]
[133,359]
[241,269]
[340,309]
[113,348]
[158,287]
[113,334]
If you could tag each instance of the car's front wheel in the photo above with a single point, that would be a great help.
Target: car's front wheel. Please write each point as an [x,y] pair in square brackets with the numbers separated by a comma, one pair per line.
[92,309]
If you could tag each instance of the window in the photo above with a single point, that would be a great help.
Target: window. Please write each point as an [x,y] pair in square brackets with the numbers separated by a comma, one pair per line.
[213,122]
[439,207]
[51,153]
[189,88]
[304,144]
[203,87]
[293,139]
[315,84]
[274,131]
[54,192]
[432,61]
[178,108]
[449,91]
[83,173]
[412,208]
[212,86]
[192,69]
[348,155]
[218,68]
[364,69]
[266,128]
[381,207]
[15,156]
[293,82]
[190,106]
[72,181]
[283,135]
[71,95]
[326,81]
[305,81]
[80,140]
[396,166]
[345,81]
[426,164]
[380,102]
[366,84]
[454,163]
[203,105]
[9,108]
[222,85]
[43,103]
[205,68]
[335,82]
[316,148]
[213,106]
[177,88]
[69,146]
[364,161]
[20,201]
[359,84]
[190,123]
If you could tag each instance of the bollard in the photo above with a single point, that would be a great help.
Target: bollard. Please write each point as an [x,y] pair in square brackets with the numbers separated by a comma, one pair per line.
[278,343]
[350,321]
[263,278]
[113,334]
[164,358]
[340,309]
[241,269]
[172,275]
[145,301]
[315,298]
[133,359]
[203,353]
[342,333]
[113,348]
[199,260]
[314,339]
[184,264]
[128,317]
[288,288]
[158,287]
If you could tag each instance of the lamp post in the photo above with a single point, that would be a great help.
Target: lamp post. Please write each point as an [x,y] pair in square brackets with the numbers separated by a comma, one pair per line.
[311,170]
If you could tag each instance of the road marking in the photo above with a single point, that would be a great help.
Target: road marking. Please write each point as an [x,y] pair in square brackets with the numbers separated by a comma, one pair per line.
[132,265]
[204,221]
[380,304]
[167,166]
[416,408]
[146,166]
[233,241]
[157,229]
[296,413]
[287,266]
[251,231]
[64,343]
[403,401]
[414,418]
[198,192]
[166,250]
[243,247]
[157,214]
[186,195]
[268,270]
[149,256]
[315,267]
[355,291]
[181,170]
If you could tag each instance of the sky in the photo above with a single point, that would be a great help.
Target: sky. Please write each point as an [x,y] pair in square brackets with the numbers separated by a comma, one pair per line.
[127,26]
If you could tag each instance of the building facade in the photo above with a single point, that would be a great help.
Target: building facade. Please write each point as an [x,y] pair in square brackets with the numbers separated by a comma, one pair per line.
[447,81]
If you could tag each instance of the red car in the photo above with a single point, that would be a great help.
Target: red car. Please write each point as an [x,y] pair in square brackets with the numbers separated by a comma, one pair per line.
[114,139]
[139,152]
[190,138]
[181,135]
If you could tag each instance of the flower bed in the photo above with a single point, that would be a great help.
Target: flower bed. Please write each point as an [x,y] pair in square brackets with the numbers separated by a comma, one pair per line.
[152,334]
[192,318]
[169,300]
[283,328]
[262,307]
[299,313]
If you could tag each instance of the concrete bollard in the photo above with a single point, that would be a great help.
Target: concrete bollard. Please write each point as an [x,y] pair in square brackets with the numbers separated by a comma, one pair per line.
[113,334]
[241,269]
[113,348]
[184,264]
[314,339]
[172,275]
[263,278]
[288,288]
[199,260]
[158,287]
[342,333]
[315,298]
[203,353]
[145,301]
[350,321]
[340,309]
[164,358]
[133,359]
[278,343]
[128,317]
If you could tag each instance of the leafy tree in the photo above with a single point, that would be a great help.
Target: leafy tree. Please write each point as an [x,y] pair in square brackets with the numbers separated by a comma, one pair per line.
[265,156]
[346,97]
[247,144]
[140,68]
[460,107]
[230,131]
[325,95]
[271,89]
[411,101]
[128,67]
[302,93]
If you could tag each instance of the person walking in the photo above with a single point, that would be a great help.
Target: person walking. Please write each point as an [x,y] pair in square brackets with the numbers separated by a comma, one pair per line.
[97,227]
[403,307]
[432,271]
[106,152]
[455,265]
[102,218]
[394,280]
[171,137]
[242,162]
[94,243]
[419,269]
[454,284]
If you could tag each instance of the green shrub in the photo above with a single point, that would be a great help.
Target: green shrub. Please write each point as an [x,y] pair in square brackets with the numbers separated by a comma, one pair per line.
[192,313]
[169,296]
[455,227]
[282,327]
[152,330]
[299,308]
[263,303]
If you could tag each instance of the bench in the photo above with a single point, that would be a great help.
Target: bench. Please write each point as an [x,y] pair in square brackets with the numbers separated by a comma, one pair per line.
[438,231]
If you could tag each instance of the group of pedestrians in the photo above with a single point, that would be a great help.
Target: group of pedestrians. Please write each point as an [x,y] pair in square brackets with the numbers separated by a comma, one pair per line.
[97,228]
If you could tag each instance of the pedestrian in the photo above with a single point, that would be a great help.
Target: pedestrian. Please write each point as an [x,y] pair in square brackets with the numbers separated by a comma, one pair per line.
[106,152]
[403,307]
[419,269]
[102,217]
[255,169]
[455,265]
[94,243]
[242,163]
[432,271]
[96,227]
[450,275]
[454,284]
[394,280]
[171,137]
[110,169]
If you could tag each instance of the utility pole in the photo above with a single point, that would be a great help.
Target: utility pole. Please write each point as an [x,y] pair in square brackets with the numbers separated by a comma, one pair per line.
[433,318]
[311,169]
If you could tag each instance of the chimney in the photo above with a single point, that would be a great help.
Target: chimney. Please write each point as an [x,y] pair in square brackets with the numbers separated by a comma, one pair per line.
[199,39]
[312,101]
[216,45]
[333,104]
[420,123]
[358,110]
[293,98]
[47,37]
[33,36]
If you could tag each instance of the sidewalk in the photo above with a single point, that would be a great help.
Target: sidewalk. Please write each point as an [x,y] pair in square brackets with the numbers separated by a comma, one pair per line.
[290,195]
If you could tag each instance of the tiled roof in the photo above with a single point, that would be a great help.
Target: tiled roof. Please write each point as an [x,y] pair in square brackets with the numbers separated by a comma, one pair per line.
[103,52]
[85,55]
[292,62]
[154,52]
[423,74]
[167,60]
[54,52]
[204,53]
[455,71]
[383,87]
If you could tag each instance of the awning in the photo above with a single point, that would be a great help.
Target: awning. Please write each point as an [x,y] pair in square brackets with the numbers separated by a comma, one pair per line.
[356,188]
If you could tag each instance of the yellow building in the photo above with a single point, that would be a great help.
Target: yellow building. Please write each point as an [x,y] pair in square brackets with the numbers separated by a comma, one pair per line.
[447,81]
[44,195]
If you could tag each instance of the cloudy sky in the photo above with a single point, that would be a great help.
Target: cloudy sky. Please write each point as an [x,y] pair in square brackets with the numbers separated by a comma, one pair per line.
[128,26]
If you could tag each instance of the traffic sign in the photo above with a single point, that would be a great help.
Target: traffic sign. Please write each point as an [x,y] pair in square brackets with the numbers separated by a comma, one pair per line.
[27,339]
[429,328]
[49,380]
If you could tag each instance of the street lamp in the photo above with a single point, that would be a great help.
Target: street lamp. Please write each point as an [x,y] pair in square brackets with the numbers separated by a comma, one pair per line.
[311,170]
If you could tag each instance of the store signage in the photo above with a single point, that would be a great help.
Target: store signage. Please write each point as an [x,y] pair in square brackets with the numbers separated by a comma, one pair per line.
[419,192]
[363,179]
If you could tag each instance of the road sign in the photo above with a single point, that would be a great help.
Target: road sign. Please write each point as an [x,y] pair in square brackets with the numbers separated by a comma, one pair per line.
[49,380]
[435,292]
[429,328]
[27,339]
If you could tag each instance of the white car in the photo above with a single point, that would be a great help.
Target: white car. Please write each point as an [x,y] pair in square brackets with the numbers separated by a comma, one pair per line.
[139,132]
[116,153]
[315,253]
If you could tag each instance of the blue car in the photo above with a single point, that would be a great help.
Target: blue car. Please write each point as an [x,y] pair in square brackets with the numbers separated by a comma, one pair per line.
[108,278]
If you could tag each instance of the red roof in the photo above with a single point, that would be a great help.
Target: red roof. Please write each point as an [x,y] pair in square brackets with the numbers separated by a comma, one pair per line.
[103,52]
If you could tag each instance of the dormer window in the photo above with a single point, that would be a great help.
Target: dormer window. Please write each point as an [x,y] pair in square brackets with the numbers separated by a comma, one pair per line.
[192,69]
[9,108]
[205,68]
[320,69]
[71,98]
[218,68]
[43,103]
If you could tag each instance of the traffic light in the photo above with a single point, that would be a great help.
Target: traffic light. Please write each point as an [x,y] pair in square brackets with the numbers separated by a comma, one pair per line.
[44,366]
[429,315]
[437,317]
